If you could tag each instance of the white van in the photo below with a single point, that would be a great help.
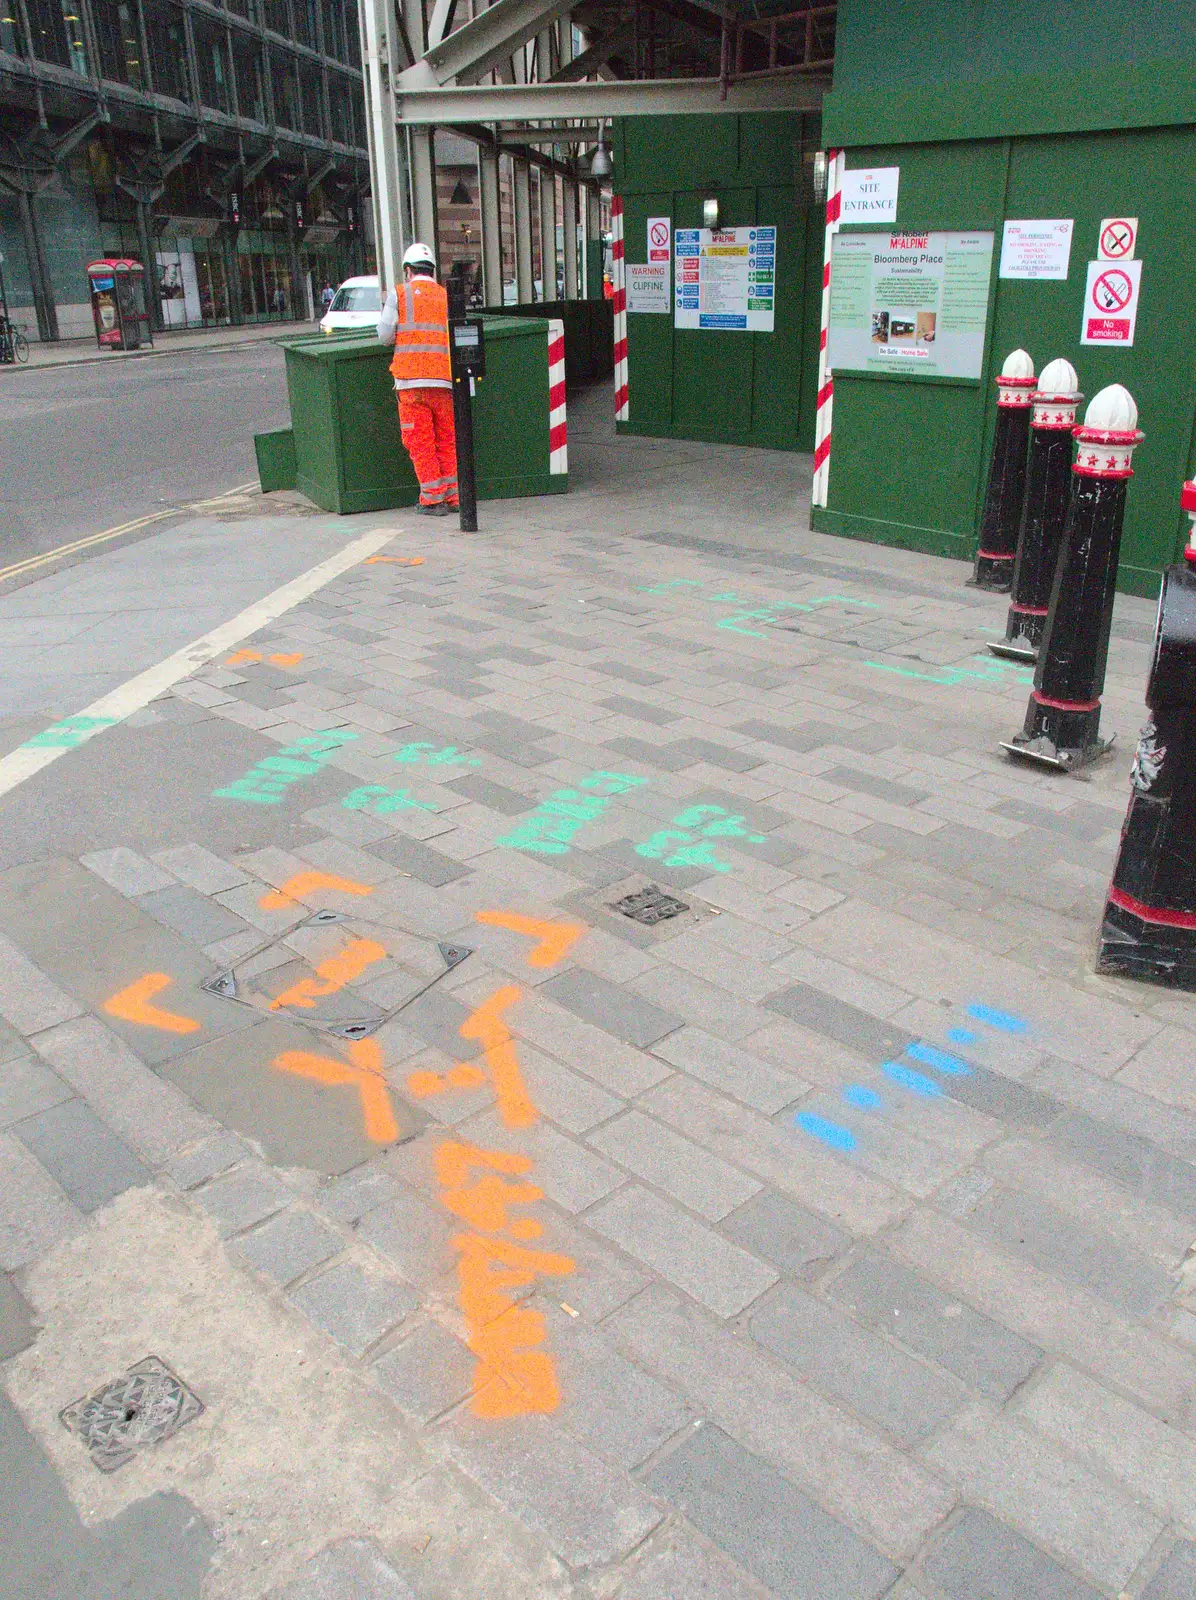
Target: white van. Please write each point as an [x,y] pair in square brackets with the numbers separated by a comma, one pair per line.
[356,305]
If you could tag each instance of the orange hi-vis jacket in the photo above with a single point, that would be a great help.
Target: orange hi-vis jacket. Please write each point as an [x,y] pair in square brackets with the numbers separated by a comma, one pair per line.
[421,359]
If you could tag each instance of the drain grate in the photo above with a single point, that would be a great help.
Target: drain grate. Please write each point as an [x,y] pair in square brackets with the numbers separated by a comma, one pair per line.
[140,1408]
[649,906]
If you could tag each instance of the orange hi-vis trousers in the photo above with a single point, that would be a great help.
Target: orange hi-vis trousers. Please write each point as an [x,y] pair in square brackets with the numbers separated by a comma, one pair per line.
[426,418]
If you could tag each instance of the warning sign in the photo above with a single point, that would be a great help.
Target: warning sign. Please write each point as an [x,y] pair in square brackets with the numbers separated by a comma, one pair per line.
[660,239]
[1111,303]
[1118,239]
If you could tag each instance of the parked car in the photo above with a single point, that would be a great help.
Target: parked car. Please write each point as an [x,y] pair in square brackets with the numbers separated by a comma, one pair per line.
[356,305]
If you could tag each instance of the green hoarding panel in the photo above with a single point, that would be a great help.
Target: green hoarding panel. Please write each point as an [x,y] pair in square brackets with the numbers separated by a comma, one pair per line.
[722,386]
[349,455]
[909,457]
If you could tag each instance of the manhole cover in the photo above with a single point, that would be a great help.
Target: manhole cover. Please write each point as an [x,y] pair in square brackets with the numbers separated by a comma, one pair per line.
[144,1405]
[650,906]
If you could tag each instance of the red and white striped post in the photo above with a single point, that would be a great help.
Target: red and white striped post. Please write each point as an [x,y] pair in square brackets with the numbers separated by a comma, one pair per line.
[826,382]
[619,284]
[558,430]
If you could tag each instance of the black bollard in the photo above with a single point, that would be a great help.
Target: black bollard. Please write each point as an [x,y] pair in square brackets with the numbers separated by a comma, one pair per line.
[1048,491]
[1002,512]
[1062,727]
[467,358]
[1149,929]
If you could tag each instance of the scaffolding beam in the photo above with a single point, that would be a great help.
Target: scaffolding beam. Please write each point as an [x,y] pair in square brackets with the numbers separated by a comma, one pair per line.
[534,102]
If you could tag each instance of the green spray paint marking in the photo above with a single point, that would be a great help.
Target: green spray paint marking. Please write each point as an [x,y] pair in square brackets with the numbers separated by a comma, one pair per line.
[694,848]
[549,830]
[1001,672]
[414,755]
[265,784]
[66,734]
[372,797]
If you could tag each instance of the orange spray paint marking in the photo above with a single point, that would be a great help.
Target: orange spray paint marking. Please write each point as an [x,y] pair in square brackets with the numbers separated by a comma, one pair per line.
[485,1025]
[484,1203]
[463,1076]
[241,658]
[291,659]
[398,561]
[332,974]
[303,883]
[134,1005]
[513,1378]
[365,1073]
[555,939]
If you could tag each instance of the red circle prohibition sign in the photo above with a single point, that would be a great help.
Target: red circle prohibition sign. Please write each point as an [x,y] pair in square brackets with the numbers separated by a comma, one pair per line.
[660,233]
[1112,291]
[1117,239]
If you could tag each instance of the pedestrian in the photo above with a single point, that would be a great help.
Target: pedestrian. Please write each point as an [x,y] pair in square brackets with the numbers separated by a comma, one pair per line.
[327,296]
[415,320]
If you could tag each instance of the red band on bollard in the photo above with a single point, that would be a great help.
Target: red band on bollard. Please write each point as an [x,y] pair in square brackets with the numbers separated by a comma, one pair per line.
[1064,705]
[1164,919]
[997,555]
[1031,611]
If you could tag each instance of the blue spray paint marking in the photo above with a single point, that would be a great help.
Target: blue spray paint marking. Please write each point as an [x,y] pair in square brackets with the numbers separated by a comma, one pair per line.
[961,1036]
[998,1019]
[916,1082]
[951,1065]
[866,1099]
[830,1133]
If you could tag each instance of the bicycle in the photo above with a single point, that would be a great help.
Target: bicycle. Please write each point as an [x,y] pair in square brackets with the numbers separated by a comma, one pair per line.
[13,344]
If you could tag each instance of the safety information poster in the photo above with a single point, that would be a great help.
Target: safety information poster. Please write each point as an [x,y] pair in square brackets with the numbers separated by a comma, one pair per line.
[725,278]
[648,287]
[914,303]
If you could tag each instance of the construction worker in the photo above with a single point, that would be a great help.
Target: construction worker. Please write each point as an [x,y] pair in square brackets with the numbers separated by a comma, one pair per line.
[415,320]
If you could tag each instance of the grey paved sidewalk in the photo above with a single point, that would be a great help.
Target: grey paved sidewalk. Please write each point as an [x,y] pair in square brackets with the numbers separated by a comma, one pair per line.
[827,1240]
[74,352]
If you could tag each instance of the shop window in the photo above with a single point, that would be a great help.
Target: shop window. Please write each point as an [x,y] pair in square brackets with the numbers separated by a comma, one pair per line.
[211,54]
[57,30]
[285,87]
[251,95]
[120,41]
[309,82]
[10,29]
[168,49]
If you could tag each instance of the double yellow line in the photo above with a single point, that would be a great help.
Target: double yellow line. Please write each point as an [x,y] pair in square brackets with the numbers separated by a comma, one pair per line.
[33,563]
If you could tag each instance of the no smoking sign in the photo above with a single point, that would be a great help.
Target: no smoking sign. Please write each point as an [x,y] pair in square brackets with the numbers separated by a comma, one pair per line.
[1111,303]
[660,238]
[1118,239]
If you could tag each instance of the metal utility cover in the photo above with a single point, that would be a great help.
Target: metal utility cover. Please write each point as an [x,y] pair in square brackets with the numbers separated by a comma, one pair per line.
[144,1405]
[650,906]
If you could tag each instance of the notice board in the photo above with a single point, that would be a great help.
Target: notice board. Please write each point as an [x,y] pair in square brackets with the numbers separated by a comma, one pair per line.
[913,303]
[725,278]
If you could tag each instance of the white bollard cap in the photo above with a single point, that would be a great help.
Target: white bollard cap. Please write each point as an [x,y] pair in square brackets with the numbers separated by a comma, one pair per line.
[1018,364]
[1058,378]
[1112,411]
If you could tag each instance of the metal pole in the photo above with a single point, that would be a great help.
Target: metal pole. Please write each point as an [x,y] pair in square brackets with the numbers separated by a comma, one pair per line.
[569,208]
[423,184]
[522,196]
[150,262]
[491,213]
[388,173]
[548,234]
[39,276]
[467,488]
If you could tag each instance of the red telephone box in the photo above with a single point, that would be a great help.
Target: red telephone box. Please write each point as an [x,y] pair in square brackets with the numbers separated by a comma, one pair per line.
[118,305]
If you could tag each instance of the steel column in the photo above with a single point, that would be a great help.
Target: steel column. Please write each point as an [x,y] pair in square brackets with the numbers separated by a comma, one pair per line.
[548,256]
[491,213]
[423,185]
[39,275]
[522,196]
[569,217]
[389,188]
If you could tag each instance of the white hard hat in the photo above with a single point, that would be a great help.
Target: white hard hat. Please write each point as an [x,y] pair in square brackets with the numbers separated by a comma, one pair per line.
[419,255]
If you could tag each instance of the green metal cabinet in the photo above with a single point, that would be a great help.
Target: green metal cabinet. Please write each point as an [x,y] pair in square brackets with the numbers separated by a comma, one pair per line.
[589,334]
[348,453]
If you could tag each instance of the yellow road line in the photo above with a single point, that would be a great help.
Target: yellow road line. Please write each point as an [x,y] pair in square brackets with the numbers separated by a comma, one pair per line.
[31,563]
